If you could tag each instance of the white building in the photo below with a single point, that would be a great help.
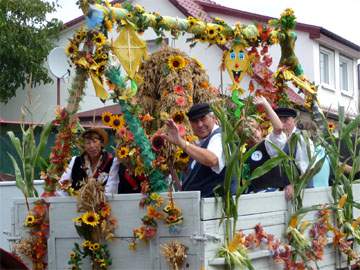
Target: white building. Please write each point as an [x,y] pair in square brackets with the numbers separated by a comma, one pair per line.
[328,59]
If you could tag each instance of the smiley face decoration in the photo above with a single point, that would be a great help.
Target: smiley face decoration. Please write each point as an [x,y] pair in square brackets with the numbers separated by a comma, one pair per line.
[237,63]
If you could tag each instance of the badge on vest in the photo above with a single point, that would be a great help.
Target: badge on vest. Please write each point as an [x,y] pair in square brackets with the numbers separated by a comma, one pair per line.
[256,155]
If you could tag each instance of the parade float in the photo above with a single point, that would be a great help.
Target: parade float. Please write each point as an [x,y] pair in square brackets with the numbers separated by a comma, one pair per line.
[160,228]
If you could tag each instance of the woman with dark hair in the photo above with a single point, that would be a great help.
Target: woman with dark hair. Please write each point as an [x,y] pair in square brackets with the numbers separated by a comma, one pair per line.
[94,162]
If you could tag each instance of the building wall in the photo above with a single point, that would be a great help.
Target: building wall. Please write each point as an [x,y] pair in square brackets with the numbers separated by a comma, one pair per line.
[306,49]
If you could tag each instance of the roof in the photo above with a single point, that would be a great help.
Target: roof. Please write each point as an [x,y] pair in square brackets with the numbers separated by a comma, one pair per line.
[201,9]
[114,109]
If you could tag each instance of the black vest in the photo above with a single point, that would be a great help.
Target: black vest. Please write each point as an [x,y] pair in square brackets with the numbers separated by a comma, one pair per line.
[78,173]
[128,183]
[274,178]
[203,178]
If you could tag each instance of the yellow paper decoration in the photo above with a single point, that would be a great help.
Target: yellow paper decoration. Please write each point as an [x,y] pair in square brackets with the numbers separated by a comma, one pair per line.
[129,49]
[237,63]
[99,88]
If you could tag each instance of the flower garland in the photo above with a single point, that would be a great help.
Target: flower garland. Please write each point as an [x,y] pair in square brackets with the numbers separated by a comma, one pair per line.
[93,59]
[35,247]
[95,226]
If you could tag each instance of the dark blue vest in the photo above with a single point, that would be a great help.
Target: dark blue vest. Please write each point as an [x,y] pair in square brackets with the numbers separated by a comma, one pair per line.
[274,178]
[203,178]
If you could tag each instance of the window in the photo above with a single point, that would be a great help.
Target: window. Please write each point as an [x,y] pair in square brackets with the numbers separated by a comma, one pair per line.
[327,73]
[346,73]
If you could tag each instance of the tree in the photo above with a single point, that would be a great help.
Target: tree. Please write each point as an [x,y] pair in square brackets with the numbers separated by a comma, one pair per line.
[26,39]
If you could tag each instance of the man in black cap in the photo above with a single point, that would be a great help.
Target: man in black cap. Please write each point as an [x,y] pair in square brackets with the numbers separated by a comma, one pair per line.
[288,118]
[207,158]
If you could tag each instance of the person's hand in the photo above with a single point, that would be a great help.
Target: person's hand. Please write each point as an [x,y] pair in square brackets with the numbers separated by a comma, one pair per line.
[289,192]
[172,133]
[260,100]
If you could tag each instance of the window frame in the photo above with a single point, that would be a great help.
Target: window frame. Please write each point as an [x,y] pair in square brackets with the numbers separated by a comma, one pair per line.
[350,74]
[331,67]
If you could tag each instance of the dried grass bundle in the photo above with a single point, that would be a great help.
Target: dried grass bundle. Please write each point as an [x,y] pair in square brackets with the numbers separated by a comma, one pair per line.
[91,194]
[175,254]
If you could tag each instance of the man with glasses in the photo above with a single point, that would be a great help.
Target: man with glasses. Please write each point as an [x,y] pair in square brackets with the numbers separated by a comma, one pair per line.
[207,161]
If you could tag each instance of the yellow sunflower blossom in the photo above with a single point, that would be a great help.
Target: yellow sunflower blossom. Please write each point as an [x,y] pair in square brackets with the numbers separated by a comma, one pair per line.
[99,39]
[211,31]
[71,49]
[178,117]
[86,244]
[181,156]
[221,40]
[123,152]
[176,62]
[90,218]
[192,21]
[72,255]
[117,122]
[30,220]
[106,118]
[94,247]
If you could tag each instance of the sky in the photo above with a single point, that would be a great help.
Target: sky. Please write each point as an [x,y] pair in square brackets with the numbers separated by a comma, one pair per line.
[341,17]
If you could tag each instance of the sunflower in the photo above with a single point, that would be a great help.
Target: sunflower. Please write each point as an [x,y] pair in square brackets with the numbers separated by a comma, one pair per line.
[30,220]
[192,21]
[117,122]
[211,31]
[221,40]
[94,247]
[106,118]
[91,218]
[86,243]
[331,126]
[71,49]
[176,62]
[99,39]
[139,170]
[181,156]
[72,255]
[178,117]
[123,152]
[78,220]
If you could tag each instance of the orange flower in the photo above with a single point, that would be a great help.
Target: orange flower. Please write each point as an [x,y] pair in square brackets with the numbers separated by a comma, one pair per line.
[147,118]
[204,84]
[153,213]
[331,126]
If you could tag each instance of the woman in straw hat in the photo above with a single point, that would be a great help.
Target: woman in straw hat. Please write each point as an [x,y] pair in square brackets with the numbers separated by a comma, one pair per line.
[94,162]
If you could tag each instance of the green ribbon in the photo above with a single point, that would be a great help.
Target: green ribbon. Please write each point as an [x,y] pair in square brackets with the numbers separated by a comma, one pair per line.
[239,104]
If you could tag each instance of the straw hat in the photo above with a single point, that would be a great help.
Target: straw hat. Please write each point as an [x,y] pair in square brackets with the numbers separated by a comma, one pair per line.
[102,133]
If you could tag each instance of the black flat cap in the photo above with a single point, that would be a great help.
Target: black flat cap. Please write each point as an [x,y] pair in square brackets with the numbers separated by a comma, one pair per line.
[286,112]
[198,110]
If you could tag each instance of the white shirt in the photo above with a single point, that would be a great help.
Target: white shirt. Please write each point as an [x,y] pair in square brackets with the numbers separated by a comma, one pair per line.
[215,146]
[112,177]
[301,156]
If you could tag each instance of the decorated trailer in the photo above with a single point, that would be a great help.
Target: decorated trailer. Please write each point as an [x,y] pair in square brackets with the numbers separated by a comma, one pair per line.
[160,228]
[202,231]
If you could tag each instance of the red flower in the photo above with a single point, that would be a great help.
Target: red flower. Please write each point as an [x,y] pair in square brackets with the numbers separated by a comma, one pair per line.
[157,142]
[179,90]
[181,101]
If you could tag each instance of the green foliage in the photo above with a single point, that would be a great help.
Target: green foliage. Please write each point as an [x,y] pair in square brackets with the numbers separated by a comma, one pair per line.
[26,39]
[30,157]
[236,156]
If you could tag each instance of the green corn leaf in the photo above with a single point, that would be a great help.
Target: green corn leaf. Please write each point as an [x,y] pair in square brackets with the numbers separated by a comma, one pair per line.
[267,166]
[15,142]
[18,177]
[42,143]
